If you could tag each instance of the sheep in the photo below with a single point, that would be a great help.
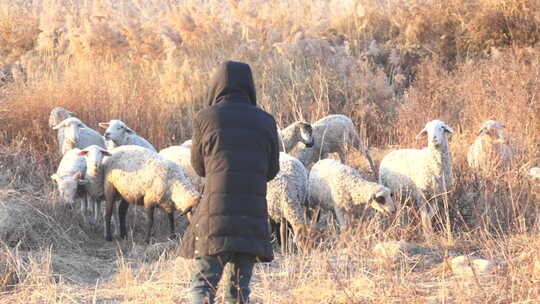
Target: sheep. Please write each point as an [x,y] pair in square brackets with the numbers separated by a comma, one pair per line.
[75,134]
[58,114]
[490,150]
[333,133]
[69,178]
[426,173]
[12,73]
[187,143]
[534,174]
[93,156]
[286,195]
[299,131]
[181,155]
[139,176]
[337,187]
[117,134]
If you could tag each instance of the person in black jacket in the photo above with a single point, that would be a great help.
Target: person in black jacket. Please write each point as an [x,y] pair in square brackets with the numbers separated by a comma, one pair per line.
[235,147]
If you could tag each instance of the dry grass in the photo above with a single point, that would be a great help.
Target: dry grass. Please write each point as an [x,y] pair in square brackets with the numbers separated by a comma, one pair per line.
[390,65]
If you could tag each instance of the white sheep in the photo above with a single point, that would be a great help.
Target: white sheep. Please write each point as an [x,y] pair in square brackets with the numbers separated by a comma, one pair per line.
[75,134]
[425,173]
[490,150]
[181,155]
[69,178]
[337,187]
[142,177]
[187,143]
[93,156]
[297,132]
[534,174]
[332,134]
[117,134]
[12,73]
[286,196]
[58,114]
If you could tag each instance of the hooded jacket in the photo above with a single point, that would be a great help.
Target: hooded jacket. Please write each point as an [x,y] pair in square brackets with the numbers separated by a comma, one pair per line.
[235,147]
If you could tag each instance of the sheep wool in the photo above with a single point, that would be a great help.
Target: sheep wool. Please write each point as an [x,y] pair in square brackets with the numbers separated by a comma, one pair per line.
[426,173]
[118,134]
[58,114]
[534,174]
[181,155]
[140,176]
[70,176]
[73,133]
[94,188]
[287,193]
[490,150]
[337,187]
[297,132]
[333,133]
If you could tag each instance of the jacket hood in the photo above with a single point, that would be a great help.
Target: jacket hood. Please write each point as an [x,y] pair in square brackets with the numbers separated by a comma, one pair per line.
[232,82]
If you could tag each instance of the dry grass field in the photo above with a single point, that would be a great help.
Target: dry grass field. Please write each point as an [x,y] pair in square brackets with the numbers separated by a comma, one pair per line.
[391,65]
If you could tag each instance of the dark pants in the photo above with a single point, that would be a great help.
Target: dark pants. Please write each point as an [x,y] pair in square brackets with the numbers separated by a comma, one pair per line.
[208,271]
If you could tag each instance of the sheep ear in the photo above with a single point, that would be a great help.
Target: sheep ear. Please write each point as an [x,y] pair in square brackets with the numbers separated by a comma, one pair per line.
[58,126]
[55,178]
[71,113]
[481,131]
[106,153]
[129,130]
[104,125]
[82,153]
[447,129]
[422,134]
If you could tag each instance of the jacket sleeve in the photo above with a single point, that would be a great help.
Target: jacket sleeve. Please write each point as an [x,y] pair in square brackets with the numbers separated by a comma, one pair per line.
[273,165]
[197,156]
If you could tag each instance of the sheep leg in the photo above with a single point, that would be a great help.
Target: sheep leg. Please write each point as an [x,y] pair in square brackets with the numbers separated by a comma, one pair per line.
[116,219]
[150,221]
[171,225]
[84,204]
[97,210]
[425,215]
[340,216]
[108,214]
[122,212]
[301,237]
[91,207]
[283,234]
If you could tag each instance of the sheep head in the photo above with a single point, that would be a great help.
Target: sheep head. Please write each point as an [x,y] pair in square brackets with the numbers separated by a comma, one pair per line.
[436,132]
[94,156]
[67,185]
[58,114]
[116,131]
[382,200]
[72,127]
[306,134]
[494,129]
